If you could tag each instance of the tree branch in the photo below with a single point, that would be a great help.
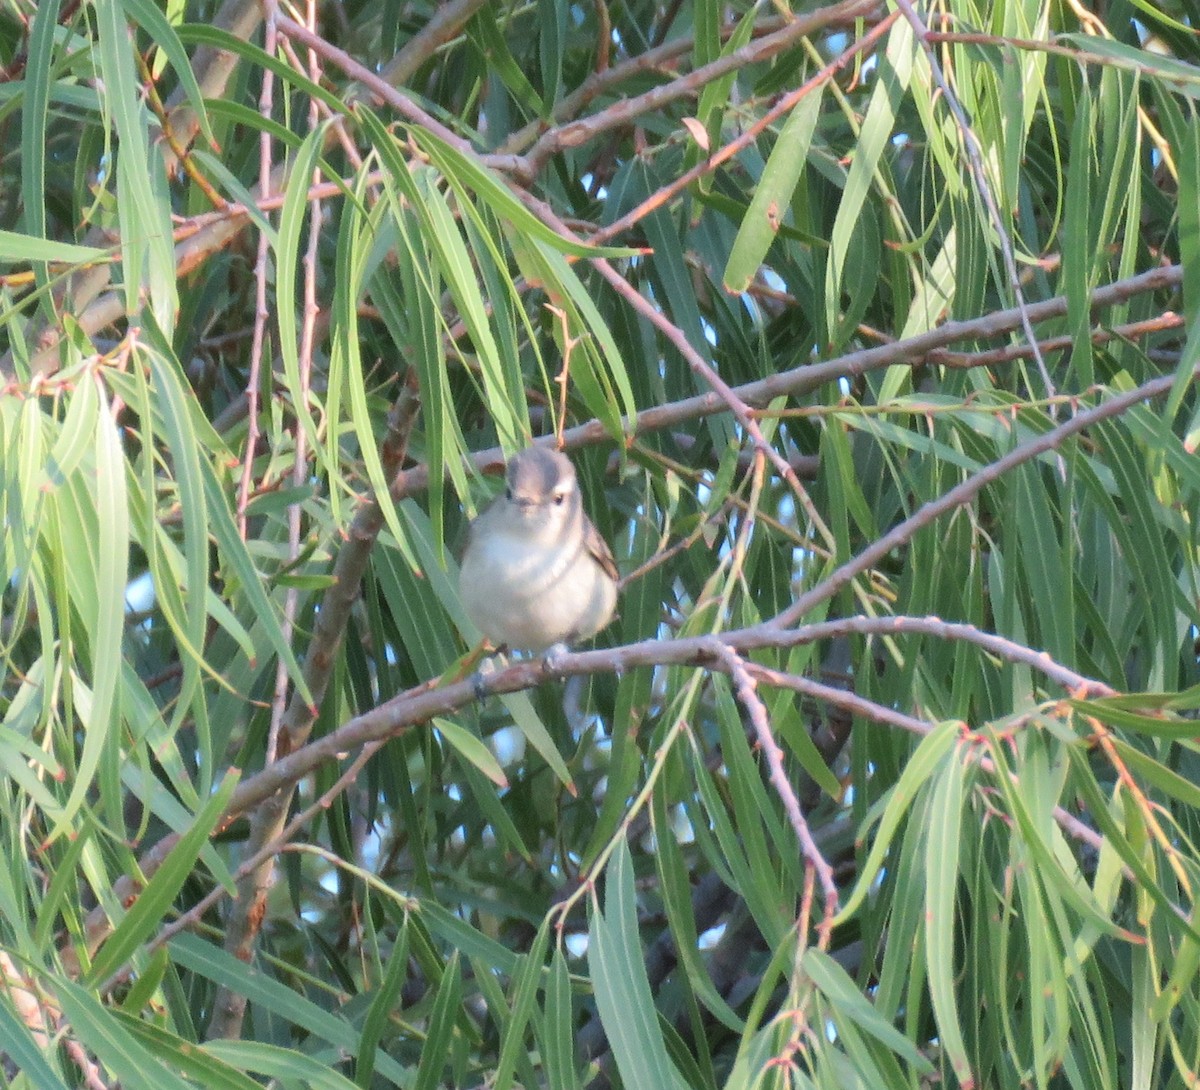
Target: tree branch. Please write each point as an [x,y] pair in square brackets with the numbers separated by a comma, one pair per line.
[964,493]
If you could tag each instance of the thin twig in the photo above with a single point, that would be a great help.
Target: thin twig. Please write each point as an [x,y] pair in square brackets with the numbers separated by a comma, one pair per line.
[746,688]
[982,185]
[397,100]
[264,854]
[229,1006]
[798,381]
[785,105]
[963,493]
[622,112]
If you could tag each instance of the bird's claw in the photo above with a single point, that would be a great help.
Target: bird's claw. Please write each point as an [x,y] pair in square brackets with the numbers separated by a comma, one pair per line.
[479,679]
[553,657]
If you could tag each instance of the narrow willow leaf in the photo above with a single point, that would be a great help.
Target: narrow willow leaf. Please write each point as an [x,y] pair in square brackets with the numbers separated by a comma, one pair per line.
[471,750]
[943,836]
[287,257]
[33,148]
[507,407]
[485,33]
[281,1001]
[670,269]
[1182,76]
[62,888]
[284,1064]
[1124,841]
[557,1028]
[530,724]
[1183,974]
[773,194]
[106,609]
[1077,274]
[106,1034]
[1041,559]
[196,1062]
[385,1002]
[616,365]
[218,38]
[24,1052]
[1145,1027]
[552,26]
[471,180]
[145,986]
[756,813]
[172,401]
[23,248]
[465,938]
[714,98]
[76,438]
[677,898]
[442,1019]
[756,889]
[919,768]
[622,990]
[146,15]
[524,998]
[1157,775]
[234,553]
[223,179]
[878,126]
[840,990]
[152,905]
[147,245]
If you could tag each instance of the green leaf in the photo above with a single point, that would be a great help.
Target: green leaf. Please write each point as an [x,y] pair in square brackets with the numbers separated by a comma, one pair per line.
[279,1001]
[530,724]
[105,610]
[442,1019]
[524,998]
[147,245]
[557,1028]
[107,1035]
[146,15]
[918,770]
[385,1001]
[622,989]
[24,1052]
[22,248]
[152,905]
[470,179]
[472,750]
[773,194]
[195,1062]
[827,975]
[943,836]
[286,1064]
[486,34]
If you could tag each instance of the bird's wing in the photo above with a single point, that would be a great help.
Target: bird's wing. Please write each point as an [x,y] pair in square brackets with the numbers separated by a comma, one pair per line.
[598,547]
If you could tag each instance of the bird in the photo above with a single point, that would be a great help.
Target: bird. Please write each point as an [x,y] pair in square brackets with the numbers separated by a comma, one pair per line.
[536,574]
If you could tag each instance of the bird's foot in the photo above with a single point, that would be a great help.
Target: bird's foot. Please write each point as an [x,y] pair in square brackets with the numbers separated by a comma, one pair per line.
[552,658]
[479,679]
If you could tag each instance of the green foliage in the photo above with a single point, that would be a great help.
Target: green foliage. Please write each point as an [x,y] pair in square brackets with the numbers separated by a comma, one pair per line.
[885,775]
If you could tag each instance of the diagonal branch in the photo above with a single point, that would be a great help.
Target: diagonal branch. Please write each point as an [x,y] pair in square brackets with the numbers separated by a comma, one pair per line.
[798,381]
[965,492]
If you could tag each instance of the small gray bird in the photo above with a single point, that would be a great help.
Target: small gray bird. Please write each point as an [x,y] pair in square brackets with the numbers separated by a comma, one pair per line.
[536,573]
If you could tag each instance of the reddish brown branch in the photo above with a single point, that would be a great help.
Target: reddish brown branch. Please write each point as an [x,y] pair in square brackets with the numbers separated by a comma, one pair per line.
[624,111]
[788,103]
[746,687]
[798,381]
